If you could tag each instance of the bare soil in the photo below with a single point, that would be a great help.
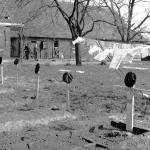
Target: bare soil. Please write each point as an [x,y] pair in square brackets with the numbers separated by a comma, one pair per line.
[44,124]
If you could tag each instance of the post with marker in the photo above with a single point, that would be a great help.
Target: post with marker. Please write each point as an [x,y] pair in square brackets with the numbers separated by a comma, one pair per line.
[67,78]
[130,80]
[16,62]
[2,70]
[37,68]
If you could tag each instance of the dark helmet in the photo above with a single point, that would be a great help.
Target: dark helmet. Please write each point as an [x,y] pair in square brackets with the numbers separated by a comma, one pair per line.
[37,68]
[16,61]
[67,77]
[130,79]
[1,59]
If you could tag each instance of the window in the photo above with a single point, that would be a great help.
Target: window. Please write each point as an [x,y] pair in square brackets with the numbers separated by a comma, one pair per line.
[41,45]
[56,43]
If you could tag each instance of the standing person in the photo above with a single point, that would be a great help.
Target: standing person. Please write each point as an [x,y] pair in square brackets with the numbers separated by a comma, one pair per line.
[41,47]
[27,51]
[35,51]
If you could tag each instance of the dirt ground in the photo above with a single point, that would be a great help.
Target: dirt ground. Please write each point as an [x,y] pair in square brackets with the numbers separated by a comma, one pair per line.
[44,124]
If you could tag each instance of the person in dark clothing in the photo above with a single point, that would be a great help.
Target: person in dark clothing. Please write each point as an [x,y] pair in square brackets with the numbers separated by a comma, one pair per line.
[27,51]
[35,51]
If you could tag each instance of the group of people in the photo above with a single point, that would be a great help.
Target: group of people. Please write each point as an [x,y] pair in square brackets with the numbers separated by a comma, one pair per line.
[28,53]
[58,54]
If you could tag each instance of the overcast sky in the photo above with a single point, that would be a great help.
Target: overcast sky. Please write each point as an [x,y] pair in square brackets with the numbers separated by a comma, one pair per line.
[140,12]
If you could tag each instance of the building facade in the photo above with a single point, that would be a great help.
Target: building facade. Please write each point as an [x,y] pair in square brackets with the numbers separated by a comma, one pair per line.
[50,35]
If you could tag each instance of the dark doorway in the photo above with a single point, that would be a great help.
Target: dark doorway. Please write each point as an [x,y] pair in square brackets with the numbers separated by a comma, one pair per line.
[15,47]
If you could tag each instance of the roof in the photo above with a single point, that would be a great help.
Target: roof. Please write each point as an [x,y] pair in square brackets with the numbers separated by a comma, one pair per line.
[48,24]
[7,24]
[6,19]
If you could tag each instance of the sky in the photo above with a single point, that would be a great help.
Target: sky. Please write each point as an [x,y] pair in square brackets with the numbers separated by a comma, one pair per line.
[140,12]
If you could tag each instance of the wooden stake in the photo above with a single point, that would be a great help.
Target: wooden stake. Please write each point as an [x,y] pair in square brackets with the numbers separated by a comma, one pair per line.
[37,68]
[130,112]
[67,78]
[2,76]
[68,98]
[37,85]
[17,75]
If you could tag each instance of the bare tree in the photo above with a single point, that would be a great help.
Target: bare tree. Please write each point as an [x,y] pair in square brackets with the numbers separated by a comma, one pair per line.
[81,21]
[76,21]
[76,18]
[123,22]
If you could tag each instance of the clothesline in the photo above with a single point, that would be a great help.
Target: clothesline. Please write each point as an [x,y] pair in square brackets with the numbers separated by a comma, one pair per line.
[116,55]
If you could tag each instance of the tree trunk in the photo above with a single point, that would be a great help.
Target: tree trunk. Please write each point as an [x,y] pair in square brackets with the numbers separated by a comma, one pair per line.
[77,54]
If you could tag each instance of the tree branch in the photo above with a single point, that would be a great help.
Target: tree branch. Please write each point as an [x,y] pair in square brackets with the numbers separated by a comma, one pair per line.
[142,22]
[138,33]
[120,17]
[88,31]
[73,11]
[66,17]
[99,20]
[84,11]
[115,19]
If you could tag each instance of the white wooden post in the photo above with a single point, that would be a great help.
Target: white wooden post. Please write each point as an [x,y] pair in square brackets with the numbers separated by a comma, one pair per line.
[68,98]
[37,67]
[17,75]
[67,78]
[2,75]
[130,112]
[37,85]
